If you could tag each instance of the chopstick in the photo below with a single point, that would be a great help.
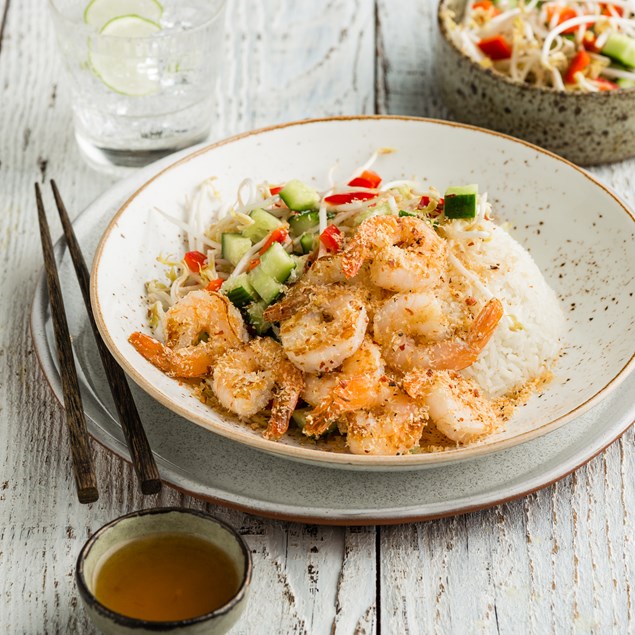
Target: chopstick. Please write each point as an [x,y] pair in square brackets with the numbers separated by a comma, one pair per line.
[83,468]
[138,446]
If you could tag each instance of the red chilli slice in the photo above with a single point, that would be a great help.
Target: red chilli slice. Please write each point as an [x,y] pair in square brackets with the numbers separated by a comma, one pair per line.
[349,197]
[195,261]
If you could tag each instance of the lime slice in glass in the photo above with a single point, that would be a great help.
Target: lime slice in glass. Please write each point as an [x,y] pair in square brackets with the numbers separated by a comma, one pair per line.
[116,64]
[99,12]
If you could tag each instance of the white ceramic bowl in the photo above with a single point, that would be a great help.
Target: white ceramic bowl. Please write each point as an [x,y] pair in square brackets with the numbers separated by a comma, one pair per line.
[580,234]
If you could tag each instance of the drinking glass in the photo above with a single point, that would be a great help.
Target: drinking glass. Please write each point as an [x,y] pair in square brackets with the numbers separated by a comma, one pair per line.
[143,75]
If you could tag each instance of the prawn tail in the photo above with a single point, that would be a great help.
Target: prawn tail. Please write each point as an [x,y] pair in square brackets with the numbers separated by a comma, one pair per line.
[484,326]
[284,402]
[352,261]
[190,362]
[154,351]
[417,383]
[459,354]
[346,396]
[319,420]
[284,309]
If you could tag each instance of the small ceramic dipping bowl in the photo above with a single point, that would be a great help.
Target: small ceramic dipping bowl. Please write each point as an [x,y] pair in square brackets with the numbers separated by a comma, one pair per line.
[157,521]
[586,128]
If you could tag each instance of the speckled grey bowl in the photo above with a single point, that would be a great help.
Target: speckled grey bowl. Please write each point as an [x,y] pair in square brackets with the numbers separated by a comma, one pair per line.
[586,128]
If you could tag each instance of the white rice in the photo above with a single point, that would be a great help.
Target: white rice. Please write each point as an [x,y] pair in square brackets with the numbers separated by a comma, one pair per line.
[530,335]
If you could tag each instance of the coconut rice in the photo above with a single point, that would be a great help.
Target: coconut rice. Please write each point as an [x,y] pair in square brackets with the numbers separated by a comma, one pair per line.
[529,338]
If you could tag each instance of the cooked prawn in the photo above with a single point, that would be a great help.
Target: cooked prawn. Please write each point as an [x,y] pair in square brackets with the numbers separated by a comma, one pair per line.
[359,383]
[324,271]
[405,253]
[394,427]
[326,330]
[418,315]
[456,405]
[246,379]
[403,351]
[199,329]
[204,316]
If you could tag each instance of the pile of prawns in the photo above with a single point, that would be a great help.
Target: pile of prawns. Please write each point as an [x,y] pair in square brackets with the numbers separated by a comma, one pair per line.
[363,340]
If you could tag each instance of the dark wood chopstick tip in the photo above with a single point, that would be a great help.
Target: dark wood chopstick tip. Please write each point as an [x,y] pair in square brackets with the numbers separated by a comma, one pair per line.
[150,486]
[87,495]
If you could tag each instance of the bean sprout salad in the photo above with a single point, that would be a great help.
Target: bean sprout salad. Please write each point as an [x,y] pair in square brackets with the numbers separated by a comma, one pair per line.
[568,45]
[264,241]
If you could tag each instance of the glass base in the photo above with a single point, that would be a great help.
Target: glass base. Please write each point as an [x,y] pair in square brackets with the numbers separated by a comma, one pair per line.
[119,162]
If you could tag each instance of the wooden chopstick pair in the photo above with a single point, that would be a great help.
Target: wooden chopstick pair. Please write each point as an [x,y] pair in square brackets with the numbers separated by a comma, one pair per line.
[140,452]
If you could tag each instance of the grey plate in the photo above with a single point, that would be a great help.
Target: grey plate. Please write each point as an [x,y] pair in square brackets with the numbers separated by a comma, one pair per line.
[205,465]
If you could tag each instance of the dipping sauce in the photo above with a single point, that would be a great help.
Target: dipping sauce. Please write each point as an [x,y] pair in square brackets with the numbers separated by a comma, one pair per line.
[166,577]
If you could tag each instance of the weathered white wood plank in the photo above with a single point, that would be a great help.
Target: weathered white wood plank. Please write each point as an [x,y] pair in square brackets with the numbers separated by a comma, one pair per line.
[559,561]
[305,578]
[406,78]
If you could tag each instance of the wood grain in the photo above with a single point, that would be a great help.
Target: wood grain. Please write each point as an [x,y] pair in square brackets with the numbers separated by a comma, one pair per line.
[306,579]
[3,21]
[78,438]
[140,452]
[559,561]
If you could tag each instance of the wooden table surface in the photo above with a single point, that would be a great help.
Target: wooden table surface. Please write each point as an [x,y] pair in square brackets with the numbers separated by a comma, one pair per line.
[559,561]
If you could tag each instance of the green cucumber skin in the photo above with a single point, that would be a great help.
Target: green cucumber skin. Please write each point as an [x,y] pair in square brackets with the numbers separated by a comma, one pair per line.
[299,197]
[460,206]
[239,290]
[460,201]
[308,242]
[239,297]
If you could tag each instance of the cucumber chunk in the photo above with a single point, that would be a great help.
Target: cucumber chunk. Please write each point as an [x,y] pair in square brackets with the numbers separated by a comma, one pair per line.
[378,210]
[460,201]
[267,287]
[300,223]
[299,197]
[301,263]
[239,290]
[308,243]
[624,82]
[264,223]
[234,247]
[256,318]
[277,263]
[299,417]
[621,48]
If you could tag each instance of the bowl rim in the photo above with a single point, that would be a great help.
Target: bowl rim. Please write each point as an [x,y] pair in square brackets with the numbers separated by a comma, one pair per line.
[152,625]
[546,90]
[322,457]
